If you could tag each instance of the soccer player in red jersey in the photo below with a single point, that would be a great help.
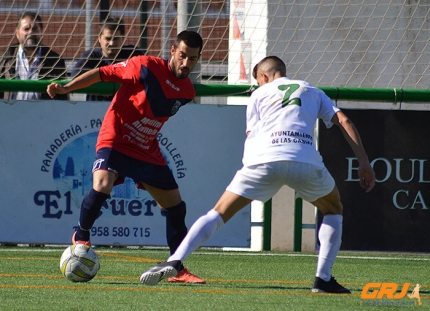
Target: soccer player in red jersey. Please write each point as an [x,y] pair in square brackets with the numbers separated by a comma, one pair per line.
[152,90]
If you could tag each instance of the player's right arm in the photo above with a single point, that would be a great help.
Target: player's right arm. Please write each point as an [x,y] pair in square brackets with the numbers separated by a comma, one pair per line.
[80,82]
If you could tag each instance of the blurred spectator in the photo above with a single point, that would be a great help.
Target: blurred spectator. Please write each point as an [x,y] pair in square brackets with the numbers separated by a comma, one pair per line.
[112,50]
[29,59]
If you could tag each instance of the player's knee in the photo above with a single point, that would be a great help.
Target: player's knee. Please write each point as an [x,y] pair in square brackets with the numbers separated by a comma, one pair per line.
[103,181]
[330,204]
[332,209]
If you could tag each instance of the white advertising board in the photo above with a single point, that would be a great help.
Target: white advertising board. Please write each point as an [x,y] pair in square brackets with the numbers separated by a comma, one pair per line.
[46,154]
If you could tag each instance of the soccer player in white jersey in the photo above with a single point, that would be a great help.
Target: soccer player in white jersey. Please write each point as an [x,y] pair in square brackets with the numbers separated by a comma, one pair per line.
[280,150]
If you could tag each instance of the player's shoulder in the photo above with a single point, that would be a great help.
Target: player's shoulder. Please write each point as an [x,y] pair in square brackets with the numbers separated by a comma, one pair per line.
[272,86]
[308,87]
[150,59]
[138,60]
[158,66]
[298,82]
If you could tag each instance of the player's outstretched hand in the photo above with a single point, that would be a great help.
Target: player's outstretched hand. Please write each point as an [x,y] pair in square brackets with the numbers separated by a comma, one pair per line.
[367,176]
[55,88]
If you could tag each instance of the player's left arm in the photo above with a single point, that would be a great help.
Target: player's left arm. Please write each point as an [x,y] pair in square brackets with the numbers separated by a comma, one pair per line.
[349,131]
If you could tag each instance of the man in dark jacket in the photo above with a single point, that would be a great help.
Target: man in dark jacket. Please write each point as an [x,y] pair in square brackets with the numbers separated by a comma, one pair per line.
[112,50]
[30,60]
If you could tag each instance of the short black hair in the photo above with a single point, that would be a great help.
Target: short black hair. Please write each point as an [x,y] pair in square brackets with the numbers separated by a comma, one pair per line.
[33,16]
[113,24]
[190,38]
[279,65]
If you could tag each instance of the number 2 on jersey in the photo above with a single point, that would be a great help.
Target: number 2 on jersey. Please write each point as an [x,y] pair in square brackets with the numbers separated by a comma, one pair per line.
[289,89]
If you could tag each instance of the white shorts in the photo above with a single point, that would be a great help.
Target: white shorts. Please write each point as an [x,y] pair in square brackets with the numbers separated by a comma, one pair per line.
[261,182]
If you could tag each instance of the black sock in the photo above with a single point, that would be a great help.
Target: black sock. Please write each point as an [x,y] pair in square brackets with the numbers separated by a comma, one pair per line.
[176,230]
[90,209]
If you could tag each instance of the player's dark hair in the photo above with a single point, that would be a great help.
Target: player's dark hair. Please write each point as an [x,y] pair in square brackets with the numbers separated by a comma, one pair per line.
[190,38]
[113,24]
[279,65]
[34,17]
[255,70]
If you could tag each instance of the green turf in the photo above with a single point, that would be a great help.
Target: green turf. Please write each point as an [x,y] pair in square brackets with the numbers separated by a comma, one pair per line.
[30,279]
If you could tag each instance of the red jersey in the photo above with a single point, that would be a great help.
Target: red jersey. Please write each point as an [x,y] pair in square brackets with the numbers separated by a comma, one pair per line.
[149,94]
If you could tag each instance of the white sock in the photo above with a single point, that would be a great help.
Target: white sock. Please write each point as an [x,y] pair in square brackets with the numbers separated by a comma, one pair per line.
[200,232]
[330,236]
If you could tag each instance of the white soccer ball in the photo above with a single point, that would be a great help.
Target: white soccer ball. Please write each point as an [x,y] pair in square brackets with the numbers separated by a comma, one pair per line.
[79,263]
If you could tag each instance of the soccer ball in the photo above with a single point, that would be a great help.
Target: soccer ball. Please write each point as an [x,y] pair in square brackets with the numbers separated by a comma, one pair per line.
[79,263]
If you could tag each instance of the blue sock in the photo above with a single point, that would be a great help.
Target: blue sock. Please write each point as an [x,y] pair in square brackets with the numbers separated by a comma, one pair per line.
[90,209]
[176,229]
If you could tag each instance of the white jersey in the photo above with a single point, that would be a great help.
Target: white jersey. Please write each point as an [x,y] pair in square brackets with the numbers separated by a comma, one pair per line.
[281,118]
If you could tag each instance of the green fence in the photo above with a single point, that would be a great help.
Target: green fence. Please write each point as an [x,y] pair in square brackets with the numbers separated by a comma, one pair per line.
[393,95]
